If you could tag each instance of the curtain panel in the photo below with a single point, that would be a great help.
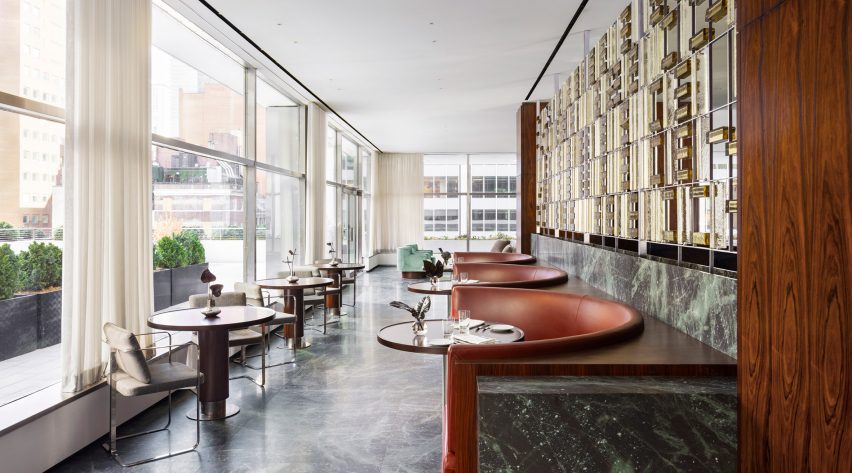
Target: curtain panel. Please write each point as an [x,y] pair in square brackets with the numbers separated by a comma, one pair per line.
[107,265]
[398,200]
[315,185]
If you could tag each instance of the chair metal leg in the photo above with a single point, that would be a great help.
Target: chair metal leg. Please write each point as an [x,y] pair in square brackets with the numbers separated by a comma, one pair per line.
[112,446]
[268,351]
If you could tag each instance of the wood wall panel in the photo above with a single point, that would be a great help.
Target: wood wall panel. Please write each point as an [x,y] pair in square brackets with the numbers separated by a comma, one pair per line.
[795,280]
[526,121]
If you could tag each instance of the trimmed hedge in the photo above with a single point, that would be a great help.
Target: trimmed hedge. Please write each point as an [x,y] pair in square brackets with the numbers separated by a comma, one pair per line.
[9,278]
[40,266]
[170,253]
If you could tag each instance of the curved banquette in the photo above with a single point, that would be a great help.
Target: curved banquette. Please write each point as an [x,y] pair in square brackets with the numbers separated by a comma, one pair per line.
[512,275]
[492,257]
[553,323]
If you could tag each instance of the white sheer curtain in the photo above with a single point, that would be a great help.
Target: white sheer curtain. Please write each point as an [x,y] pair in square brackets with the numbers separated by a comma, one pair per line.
[315,186]
[107,266]
[398,196]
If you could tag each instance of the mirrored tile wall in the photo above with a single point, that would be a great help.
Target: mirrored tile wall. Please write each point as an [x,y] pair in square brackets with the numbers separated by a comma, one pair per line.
[638,148]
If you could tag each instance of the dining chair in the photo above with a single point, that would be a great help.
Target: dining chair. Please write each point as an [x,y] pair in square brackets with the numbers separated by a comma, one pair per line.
[255,297]
[314,298]
[345,281]
[241,338]
[130,374]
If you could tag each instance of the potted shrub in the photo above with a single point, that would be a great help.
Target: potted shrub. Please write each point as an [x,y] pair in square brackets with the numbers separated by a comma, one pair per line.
[40,270]
[18,314]
[162,282]
[184,255]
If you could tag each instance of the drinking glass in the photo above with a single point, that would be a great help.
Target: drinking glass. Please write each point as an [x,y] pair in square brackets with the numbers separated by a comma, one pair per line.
[464,321]
[463,277]
[448,326]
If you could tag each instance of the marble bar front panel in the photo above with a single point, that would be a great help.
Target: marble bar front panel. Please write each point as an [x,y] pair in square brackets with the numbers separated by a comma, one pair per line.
[698,303]
[594,424]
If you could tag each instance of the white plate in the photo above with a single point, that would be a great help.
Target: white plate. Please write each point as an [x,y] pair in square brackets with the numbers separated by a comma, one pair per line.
[441,342]
[501,328]
[476,323]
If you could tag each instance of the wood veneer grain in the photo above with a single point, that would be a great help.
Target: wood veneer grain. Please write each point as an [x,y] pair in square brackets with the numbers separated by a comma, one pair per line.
[795,280]
[526,214]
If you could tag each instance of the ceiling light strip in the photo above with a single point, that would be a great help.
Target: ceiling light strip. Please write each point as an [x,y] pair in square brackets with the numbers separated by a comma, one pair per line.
[556,49]
[265,54]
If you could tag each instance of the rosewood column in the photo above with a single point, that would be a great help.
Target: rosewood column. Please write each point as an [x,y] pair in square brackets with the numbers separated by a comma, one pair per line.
[526,210]
[795,255]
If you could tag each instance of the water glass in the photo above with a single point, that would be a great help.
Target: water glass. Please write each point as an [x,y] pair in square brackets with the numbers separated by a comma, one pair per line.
[464,321]
[448,326]
[463,277]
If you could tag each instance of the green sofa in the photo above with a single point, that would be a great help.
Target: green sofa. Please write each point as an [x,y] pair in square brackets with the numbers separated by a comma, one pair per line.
[409,260]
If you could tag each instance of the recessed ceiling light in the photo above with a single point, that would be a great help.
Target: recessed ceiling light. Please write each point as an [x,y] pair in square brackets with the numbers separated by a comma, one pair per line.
[279,24]
[434,40]
[295,42]
[431,22]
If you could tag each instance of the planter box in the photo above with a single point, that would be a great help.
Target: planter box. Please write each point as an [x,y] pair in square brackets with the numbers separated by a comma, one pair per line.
[186,282]
[162,289]
[49,318]
[18,326]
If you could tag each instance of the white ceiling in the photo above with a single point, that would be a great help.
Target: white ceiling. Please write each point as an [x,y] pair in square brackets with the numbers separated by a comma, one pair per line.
[423,76]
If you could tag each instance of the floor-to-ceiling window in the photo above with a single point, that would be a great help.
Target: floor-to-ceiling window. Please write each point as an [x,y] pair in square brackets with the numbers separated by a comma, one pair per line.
[218,174]
[32,151]
[280,203]
[347,195]
[469,200]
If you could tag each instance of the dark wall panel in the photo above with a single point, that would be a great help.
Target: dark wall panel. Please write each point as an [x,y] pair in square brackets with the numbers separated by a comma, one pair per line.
[526,121]
[795,276]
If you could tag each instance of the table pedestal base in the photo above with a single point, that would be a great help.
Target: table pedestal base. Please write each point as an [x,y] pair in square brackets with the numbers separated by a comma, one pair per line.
[298,342]
[215,410]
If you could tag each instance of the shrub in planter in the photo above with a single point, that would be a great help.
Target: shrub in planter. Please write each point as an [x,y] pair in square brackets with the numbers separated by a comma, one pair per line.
[194,248]
[9,279]
[40,266]
[170,253]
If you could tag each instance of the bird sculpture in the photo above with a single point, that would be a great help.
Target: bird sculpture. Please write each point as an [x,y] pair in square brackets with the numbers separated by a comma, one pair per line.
[418,312]
[445,255]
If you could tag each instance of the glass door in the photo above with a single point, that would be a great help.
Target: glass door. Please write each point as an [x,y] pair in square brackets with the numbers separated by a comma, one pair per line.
[349,226]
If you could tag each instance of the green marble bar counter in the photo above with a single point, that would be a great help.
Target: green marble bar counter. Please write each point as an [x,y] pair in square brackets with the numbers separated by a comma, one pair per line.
[566,423]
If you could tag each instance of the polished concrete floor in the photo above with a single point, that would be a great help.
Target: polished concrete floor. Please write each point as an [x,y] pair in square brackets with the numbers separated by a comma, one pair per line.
[347,405]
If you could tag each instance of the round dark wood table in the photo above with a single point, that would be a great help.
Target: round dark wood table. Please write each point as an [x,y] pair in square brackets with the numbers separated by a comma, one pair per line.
[333,301]
[400,337]
[213,350]
[443,288]
[295,304]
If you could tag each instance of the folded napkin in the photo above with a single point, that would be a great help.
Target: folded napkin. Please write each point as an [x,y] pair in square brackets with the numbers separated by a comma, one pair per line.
[473,339]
